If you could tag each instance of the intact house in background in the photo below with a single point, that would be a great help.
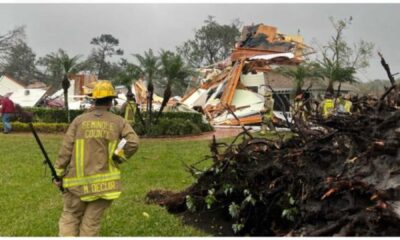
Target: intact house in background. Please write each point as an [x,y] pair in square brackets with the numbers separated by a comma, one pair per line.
[8,85]
[26,96]
[39,94]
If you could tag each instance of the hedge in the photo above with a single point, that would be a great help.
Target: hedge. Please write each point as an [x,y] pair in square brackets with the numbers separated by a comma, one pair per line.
[50,115]
[170,127]
[174,124]
[39,127]
[170,123]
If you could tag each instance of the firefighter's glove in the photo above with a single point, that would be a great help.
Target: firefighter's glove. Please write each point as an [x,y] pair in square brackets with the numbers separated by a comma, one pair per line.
[57,183]
[117,159]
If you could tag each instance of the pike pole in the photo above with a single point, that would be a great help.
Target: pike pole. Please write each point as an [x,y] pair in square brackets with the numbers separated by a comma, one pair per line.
[46,160]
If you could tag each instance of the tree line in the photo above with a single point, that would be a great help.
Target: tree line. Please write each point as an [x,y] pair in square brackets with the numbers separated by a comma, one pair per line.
[163,68]
[336,61]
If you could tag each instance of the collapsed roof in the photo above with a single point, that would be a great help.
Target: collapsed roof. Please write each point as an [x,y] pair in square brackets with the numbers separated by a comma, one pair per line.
[241,85]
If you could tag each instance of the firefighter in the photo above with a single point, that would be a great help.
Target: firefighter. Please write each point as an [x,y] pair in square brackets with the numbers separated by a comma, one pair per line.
[128,109]
[347,103]
[327,105]
[268,113]
[88,164]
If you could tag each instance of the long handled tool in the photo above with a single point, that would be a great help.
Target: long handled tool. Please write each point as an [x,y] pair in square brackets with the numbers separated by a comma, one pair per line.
[46,160]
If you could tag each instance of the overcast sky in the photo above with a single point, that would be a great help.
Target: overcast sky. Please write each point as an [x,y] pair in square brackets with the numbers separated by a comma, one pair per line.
[142,26]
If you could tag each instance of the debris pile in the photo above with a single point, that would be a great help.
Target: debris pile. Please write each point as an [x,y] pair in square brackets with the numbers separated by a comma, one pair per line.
[343,179]
[240,81]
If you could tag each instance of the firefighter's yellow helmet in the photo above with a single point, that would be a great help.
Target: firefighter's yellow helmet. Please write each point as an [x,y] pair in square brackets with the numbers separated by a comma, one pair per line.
[103,89]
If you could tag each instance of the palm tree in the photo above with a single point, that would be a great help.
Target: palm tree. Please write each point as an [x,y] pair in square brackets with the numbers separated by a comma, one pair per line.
[150,67]
[59,63]
[298,74]
[129,73]
[149,64]
[175,72]
[333,72]
[68,64]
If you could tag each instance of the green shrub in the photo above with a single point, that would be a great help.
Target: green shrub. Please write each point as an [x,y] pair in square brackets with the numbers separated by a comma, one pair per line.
[169,127]
[50,115]
[174,124]
[170,123]
[39,127]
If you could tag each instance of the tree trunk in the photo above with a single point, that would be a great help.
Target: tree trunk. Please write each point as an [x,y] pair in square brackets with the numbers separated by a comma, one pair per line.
[298,89]
[101,70]
[65,85]
[150,91]
[330,87]
[167,95]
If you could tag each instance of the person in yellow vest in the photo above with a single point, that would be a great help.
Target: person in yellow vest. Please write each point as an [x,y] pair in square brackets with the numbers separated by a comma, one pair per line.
[343,104]
[128,109]
[94,145]
[268,114]
[327,106]
[347,103]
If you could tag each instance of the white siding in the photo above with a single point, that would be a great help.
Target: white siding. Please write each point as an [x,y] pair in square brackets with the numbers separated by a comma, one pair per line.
[7,85]
[27,97]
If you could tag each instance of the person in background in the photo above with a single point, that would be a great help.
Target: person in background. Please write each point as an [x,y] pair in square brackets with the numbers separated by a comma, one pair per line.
[339,104]
[268,114]
[327,105]
[347,104]
[7,113]
[128,109]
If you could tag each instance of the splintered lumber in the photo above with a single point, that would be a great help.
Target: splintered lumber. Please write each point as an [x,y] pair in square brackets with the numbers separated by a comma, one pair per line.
[242,53]
[233,80]
[189,94]
[243,120]
[217,80]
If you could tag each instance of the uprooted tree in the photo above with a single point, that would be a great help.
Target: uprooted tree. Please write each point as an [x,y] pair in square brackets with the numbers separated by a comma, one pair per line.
[340,178]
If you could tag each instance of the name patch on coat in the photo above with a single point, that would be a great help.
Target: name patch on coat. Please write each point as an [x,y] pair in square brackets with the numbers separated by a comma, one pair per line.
[99,187]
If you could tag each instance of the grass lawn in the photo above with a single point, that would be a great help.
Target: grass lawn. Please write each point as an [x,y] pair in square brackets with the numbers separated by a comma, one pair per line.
[30,205]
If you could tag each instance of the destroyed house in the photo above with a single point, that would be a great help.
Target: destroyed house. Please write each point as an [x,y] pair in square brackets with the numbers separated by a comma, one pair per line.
[80,81]
[240,86]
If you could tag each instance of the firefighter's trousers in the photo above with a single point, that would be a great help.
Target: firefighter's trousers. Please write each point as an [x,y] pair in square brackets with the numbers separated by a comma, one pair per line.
[81,218]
